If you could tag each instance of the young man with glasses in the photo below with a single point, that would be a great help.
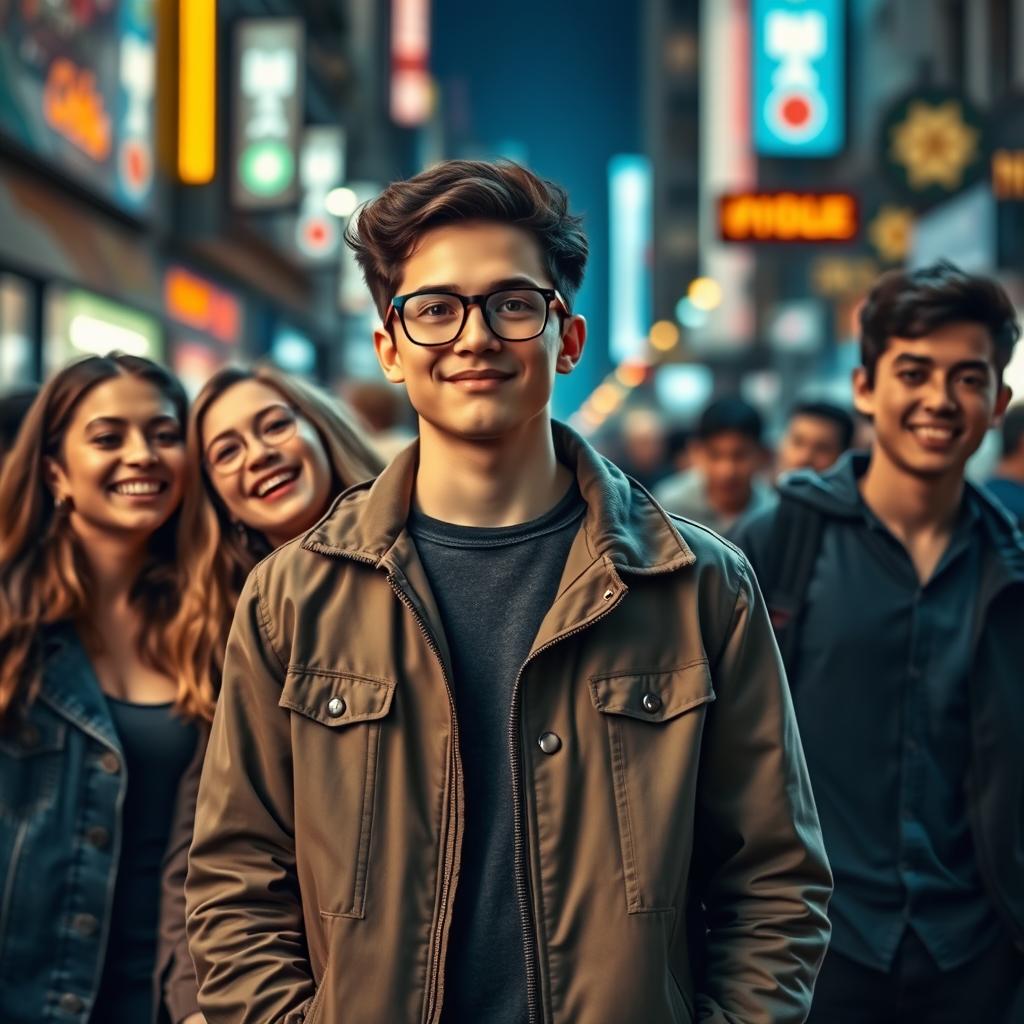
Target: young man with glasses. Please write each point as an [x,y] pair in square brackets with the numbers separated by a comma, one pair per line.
[499,739]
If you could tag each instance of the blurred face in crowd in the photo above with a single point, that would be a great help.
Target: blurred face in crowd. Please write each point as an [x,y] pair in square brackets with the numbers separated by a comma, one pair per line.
[810,442]
[478,386]
[121,466]
[933,399]
[266,461]
[729,462]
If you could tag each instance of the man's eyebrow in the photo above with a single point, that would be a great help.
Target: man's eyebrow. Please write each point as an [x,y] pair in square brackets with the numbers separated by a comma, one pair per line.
[924,361]
[521,281]
[907,357]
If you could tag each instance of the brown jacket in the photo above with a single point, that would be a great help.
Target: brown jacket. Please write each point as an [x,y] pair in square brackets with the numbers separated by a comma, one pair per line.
[670,862]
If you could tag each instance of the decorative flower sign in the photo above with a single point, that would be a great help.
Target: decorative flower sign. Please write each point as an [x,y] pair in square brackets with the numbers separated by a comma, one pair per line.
[933,145]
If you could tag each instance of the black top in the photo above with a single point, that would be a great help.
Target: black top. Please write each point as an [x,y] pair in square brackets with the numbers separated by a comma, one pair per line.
[158,747]
[493,587]
[881,694]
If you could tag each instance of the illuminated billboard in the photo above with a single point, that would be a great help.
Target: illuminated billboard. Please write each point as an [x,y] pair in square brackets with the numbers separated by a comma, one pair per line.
[268,105]
[77,89]
[799,70]
[788,217]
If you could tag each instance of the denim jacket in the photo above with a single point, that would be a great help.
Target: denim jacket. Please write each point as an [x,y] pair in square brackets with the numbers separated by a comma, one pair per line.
[62,790]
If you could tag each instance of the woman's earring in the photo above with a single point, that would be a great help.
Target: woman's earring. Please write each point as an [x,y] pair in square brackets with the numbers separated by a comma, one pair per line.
[241,532]
[61,506]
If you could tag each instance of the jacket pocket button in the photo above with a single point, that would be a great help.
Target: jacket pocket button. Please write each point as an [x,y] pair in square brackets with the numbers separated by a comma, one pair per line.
[85,924]
[98,837]
[608,595]
[335,707]
[70,1003]
[549,743]
[651,703]
[111,764]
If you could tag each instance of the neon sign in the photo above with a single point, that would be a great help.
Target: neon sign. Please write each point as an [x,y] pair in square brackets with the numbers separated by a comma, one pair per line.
[74,107]
[798,80]
[788,217]
[268,112]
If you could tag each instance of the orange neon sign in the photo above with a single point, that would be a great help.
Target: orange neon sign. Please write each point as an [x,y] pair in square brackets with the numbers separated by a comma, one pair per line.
[1008,173]
[73,107]
[199,304]
[788,217]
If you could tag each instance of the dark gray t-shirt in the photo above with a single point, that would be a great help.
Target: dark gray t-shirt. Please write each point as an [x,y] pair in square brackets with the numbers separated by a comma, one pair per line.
[493,587]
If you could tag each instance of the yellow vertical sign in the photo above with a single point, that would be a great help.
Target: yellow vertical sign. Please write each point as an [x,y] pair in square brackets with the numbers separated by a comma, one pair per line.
[197,91]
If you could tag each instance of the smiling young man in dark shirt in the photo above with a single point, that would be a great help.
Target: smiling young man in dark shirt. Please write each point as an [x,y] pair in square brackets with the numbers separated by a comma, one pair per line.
[905,651]
[499,739]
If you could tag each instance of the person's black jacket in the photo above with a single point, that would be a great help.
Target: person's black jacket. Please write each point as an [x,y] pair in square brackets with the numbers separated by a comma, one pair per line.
[995,784]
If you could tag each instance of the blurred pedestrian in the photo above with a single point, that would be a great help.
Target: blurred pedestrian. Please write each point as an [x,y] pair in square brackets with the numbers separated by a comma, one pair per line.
[471,760]
[13,407]
[816,435]
[728,456]
[100,736]
[267,454]
[644,446]
[897,590]
[1008,483]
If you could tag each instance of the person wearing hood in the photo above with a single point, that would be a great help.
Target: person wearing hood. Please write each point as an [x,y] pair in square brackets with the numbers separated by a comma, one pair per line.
[897,592]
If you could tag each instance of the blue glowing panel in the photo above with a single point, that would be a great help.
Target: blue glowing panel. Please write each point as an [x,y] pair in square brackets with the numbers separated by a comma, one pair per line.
[799,77]
[630,229]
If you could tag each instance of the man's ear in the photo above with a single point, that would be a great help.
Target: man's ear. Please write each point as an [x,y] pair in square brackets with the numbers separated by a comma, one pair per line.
[1003,400]
[387,355]
[863,393]
[574,337]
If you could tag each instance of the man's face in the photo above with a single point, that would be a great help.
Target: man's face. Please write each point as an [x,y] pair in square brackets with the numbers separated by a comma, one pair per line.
[933,399]
[729,462]
[810,442]
[479,386]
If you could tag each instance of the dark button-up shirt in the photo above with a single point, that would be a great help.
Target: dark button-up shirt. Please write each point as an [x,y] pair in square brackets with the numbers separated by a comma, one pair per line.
[881,693]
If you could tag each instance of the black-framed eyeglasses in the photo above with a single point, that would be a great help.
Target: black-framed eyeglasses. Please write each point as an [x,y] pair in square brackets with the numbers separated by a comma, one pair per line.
[273,426]
[437,318]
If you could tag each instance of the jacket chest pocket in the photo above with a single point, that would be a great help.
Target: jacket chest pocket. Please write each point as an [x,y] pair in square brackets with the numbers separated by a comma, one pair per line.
[336,729]
[654,722]
[30,764]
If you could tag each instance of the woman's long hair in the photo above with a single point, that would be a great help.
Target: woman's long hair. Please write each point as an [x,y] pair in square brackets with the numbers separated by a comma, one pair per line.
[216,556]
[44,574]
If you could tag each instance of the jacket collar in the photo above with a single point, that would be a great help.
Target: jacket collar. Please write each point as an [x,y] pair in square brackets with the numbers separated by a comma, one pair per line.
[623,524]
[70,686]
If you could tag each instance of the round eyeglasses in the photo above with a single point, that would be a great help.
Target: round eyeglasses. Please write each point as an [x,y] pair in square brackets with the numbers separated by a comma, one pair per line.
[438,318]
[273,426]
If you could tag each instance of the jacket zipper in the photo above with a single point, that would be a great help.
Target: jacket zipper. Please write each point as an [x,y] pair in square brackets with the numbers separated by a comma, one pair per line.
[435,965]
[521,859]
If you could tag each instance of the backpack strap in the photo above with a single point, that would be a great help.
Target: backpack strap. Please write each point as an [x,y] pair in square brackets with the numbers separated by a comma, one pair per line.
[796,543]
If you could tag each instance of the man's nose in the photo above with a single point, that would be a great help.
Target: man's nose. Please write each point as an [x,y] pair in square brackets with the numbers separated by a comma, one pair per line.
[476,336]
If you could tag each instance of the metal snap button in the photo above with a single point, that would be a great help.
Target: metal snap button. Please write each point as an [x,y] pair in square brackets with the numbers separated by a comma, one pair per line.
[98,837]
[70,1003]
[651,703]
[335,707]
[85,924]
[549,743]
[29,737]
[111,764]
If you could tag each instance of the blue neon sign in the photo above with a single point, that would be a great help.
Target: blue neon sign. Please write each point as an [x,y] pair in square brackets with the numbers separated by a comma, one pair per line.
[799,73]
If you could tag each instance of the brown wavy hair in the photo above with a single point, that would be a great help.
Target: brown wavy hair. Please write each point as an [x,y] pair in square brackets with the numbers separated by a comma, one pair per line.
[44,574]
[387,229]
[216,557]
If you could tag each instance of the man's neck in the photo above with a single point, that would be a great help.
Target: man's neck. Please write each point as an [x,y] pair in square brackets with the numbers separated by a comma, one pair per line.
[910,505]
[1011,468]
[495,482]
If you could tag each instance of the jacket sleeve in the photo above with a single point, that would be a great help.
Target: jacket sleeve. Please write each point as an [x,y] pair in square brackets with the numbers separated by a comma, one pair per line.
[177,988]
[245,924]
[759,861]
